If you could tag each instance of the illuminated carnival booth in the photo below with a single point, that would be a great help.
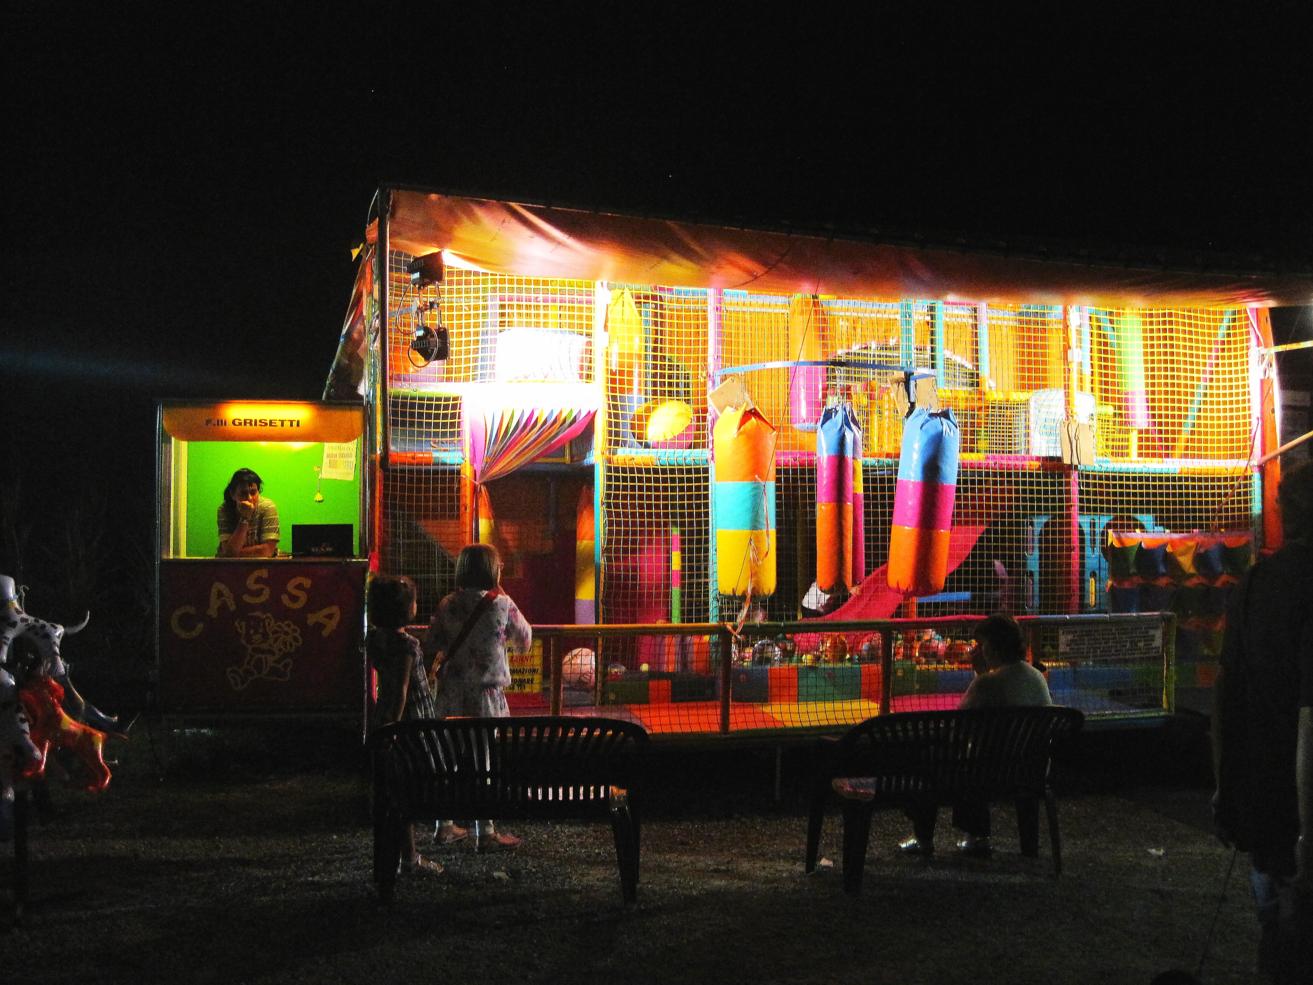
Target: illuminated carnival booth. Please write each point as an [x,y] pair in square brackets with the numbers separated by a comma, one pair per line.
[690,444]
[261,635]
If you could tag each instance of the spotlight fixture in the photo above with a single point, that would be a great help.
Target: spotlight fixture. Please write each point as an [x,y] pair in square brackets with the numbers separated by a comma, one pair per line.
[426,271]
[428,344]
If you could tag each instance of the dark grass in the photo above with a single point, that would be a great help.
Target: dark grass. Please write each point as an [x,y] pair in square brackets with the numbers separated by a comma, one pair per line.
[242,854]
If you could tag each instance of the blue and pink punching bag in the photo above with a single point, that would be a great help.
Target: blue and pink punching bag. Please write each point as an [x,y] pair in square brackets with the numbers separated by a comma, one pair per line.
[840,539]
[923,503]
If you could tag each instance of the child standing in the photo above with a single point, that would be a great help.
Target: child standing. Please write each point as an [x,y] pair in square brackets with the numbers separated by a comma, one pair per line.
[403,687]
[472,626]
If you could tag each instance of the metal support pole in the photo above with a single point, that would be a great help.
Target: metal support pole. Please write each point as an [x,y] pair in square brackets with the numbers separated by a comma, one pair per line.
[726,676]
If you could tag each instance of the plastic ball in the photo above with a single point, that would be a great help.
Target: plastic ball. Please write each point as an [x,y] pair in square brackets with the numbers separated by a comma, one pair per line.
[871,649]
[834,649]
[932,650]
[788,651]
[958,652]
[765,652]
[579,668]
[808,659]
[643,667]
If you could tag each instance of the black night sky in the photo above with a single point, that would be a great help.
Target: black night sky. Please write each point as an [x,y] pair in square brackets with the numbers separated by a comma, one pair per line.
[188,185]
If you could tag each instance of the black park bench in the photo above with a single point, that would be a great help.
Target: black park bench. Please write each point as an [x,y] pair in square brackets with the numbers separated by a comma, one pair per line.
[915,758]
[522,768]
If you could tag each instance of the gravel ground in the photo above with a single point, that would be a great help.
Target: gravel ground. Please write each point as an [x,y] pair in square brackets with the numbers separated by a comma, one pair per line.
[236,856]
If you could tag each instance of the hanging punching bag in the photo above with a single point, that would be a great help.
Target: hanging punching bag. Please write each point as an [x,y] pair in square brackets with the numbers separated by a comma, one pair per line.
[840,541]
[743,443]
[923,503]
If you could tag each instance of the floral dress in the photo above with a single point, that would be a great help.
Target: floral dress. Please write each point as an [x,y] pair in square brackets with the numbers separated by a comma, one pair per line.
[473,680]
[393,653]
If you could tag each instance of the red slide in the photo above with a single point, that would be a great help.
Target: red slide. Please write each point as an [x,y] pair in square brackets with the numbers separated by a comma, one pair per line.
[876,600]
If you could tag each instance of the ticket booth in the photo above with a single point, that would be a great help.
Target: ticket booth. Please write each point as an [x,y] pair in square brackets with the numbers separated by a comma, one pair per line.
[277,634]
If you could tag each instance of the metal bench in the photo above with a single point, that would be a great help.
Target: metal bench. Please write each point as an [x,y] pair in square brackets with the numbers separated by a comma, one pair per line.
[534,768]
[919,758]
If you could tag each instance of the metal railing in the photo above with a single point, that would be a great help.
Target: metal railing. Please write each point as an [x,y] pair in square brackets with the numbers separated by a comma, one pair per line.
[819,675]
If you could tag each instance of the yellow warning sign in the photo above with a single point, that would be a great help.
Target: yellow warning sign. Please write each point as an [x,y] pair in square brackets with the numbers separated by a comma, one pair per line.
[526,669]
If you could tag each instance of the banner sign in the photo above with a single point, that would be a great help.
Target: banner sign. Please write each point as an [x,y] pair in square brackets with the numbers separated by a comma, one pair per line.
[272,636]
[248,420]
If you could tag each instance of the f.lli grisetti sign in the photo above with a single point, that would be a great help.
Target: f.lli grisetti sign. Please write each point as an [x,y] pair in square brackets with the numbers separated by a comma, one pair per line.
[254,422]
[281,636]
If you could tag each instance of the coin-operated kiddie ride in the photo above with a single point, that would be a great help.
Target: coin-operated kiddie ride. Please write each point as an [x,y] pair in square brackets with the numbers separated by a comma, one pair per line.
[46,727]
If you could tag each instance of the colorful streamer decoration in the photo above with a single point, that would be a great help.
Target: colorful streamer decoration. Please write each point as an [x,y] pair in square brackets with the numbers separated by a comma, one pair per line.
[519,423]
[923,503]
[585,563]
[840,540]
[743,443]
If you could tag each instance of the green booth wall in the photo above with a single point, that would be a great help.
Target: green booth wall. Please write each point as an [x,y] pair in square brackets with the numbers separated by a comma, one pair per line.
[290,480]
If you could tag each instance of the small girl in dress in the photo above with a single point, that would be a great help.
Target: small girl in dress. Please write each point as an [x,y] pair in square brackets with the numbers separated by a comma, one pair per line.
[475,673]
[403,687]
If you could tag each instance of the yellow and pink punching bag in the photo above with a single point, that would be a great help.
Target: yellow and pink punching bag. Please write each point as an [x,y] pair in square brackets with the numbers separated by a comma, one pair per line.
[923,503]
[743,443]
[585,569]
[840,539]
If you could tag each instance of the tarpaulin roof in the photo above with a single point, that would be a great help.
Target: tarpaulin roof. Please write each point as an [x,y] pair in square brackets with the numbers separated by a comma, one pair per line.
[557,242]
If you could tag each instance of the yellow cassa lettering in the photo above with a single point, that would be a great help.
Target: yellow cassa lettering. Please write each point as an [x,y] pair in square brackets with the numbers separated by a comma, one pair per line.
[256,590]
[295,595]
[175,623]
[219,595]
[327,618]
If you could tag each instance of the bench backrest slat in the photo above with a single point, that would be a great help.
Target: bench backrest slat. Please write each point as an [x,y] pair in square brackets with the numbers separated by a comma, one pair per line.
[981,749]
[539,765]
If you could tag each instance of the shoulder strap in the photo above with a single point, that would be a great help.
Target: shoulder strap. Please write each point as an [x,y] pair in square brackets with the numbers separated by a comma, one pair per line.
[484,604]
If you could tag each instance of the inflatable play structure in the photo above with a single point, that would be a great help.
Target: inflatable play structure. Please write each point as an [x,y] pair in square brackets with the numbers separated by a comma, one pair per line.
[841,450]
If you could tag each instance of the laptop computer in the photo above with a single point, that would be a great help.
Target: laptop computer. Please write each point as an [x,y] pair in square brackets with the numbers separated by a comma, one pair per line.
[322,540]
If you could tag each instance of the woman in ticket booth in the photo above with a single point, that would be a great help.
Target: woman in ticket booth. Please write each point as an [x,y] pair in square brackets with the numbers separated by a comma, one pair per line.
[248,524]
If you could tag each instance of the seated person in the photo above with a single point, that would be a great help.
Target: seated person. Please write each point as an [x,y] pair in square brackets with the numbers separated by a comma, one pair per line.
[1003,679]
[248,524]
